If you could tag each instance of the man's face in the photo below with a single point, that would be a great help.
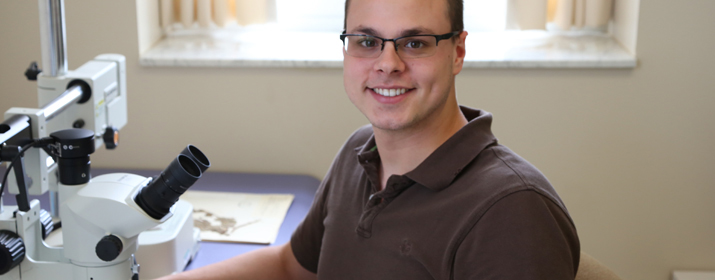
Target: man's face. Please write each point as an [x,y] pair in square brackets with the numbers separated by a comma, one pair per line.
[427,82]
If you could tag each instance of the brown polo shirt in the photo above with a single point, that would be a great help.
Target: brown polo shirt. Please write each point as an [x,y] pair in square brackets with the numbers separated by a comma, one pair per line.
[472,210]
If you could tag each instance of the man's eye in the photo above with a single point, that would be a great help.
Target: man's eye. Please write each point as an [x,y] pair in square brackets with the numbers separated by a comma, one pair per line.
[415,44]
[368,42]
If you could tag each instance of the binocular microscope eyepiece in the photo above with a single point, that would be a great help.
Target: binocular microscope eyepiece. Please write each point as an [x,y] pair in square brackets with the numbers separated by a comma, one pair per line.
[73,147]
[161,193]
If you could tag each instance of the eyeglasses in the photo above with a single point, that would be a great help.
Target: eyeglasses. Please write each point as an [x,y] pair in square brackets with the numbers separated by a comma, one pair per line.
[413,46]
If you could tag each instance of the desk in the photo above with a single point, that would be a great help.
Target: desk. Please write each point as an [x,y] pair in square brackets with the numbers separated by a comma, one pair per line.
[302,186]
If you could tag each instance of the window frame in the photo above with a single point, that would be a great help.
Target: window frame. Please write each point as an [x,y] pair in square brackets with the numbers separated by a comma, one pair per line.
[238,46]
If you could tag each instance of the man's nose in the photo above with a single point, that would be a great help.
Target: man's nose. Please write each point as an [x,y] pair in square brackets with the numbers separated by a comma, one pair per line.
[389,61]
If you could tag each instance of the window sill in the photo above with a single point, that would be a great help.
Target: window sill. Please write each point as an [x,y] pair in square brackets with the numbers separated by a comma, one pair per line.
[511,49]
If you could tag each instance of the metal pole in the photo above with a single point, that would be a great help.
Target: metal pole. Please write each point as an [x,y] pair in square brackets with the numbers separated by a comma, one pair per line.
[59,104]
[52,37]
[54,63]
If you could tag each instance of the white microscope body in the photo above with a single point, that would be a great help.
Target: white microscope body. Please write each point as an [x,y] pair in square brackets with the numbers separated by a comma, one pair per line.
[102,217]
[110,222]
[87,216]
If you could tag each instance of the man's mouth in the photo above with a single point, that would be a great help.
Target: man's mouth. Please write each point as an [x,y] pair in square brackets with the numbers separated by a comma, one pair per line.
[390,92]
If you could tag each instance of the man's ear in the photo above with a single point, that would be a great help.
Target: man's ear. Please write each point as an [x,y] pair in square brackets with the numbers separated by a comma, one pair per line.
[459,52]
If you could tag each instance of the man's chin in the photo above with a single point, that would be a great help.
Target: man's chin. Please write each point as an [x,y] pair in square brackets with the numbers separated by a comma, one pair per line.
[390,125]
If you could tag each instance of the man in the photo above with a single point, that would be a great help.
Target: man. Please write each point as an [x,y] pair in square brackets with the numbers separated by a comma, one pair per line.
[425,192]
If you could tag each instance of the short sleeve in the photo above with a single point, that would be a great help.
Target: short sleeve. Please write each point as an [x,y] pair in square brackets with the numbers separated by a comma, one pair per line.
[524,235]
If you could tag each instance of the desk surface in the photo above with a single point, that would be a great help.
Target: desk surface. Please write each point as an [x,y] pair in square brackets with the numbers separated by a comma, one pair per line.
[302,186]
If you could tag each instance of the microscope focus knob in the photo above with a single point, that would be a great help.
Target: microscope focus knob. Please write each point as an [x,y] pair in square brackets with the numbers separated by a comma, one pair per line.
[12,250]
[111,137]
[108,248]
[46,221]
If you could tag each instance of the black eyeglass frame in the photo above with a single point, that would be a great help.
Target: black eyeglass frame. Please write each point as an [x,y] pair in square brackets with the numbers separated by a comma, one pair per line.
[394,41]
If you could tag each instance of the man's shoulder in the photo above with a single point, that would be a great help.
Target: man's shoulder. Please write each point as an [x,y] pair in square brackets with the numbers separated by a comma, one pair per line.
[510,173]
[514,164]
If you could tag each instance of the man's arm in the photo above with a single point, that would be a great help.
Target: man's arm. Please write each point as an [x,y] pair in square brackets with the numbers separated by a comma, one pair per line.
[276,262]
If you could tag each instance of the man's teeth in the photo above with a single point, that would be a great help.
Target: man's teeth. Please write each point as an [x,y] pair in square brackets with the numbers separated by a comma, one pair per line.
[389,92]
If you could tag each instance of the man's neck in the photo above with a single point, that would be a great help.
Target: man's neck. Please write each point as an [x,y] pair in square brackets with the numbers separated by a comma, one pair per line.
[402,151]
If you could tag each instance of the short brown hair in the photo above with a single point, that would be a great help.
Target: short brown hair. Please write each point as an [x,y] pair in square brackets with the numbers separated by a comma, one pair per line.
[455,10]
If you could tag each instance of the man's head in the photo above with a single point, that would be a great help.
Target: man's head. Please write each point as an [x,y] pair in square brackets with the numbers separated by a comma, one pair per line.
[394,90]
[455,12]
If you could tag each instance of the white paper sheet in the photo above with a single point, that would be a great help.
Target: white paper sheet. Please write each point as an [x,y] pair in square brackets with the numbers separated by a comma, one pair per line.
[238,217]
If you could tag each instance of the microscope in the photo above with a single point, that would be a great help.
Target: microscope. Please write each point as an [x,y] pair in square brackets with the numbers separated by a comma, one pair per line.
[110,224]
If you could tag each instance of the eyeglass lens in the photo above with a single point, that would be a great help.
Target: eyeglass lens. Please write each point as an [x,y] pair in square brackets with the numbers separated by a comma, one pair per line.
[370,47]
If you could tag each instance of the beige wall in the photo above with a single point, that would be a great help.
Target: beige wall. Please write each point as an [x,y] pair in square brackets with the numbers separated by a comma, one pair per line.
[632,152]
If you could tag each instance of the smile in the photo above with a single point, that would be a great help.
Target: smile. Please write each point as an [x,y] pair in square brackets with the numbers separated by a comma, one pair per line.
[390,92]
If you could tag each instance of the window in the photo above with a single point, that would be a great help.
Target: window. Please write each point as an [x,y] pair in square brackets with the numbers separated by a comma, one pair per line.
[481,15]
[229,33]
[304,16]
[484,15]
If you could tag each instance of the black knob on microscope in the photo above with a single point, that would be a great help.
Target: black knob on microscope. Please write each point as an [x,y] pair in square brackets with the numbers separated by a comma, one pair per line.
[12,250]
[32,71]
[111,137]
[108,248]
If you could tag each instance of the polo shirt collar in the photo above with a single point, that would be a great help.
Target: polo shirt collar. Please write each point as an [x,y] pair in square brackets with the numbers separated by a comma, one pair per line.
[441,167]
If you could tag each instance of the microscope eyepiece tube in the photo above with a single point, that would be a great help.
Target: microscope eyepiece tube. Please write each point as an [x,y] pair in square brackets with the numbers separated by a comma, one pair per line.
[195,154]
[158,196]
